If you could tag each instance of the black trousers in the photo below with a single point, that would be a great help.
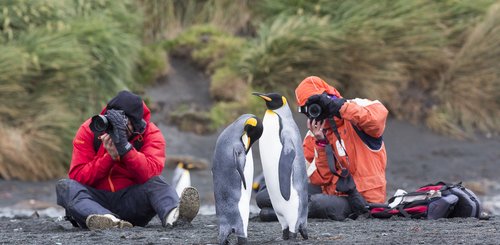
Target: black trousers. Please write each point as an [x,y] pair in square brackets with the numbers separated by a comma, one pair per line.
[321,206]
[137,204]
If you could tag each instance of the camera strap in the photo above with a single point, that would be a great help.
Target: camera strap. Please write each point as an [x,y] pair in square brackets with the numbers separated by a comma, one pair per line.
[331,152]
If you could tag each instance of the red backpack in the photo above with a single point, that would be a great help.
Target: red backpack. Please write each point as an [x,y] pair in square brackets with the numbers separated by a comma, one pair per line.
[434,201]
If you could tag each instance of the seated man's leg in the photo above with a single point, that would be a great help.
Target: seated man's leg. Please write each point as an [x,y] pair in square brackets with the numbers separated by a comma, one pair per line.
[140,203]
[85,206]
[328,207]
[266,207]
[314,189]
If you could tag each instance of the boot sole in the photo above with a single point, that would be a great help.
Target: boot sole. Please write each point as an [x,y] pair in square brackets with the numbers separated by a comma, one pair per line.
[189,205]
[98,222]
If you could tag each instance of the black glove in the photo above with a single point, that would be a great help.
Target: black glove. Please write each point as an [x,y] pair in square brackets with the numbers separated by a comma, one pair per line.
[357,203]
[331,106]
[119,134]
[346,185]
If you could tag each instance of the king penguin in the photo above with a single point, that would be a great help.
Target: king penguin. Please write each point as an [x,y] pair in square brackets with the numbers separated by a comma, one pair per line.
[283,165]
[232,170]
[181,177]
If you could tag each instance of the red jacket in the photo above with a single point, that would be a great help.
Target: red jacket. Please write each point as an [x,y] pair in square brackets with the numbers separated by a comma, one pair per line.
[99,170]
[361,129]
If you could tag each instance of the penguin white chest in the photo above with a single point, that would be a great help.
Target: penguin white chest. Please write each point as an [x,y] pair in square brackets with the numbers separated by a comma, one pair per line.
[270,147]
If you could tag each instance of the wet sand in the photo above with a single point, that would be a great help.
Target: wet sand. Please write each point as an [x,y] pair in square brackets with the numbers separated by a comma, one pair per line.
[204,231]
[417,156]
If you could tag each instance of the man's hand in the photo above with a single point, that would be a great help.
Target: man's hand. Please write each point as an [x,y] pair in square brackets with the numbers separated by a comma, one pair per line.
[119,134]
[316,127]
[110,146]
[332,106]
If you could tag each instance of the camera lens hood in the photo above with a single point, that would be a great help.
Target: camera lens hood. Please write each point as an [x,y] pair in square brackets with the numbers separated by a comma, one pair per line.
[99,124]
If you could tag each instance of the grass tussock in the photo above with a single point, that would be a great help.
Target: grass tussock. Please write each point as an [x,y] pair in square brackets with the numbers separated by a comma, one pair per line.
[206,46]
[215,52]
[167,19]
[470,89]
[406,54]
[60,61]
[226,85]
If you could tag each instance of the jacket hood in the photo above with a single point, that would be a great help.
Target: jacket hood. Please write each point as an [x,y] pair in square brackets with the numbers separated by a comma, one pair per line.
[313,85]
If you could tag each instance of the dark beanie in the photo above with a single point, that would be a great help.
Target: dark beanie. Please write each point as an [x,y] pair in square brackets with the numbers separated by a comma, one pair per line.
[131,104]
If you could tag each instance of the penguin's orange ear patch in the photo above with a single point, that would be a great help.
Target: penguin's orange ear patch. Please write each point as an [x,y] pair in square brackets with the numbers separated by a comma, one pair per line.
[251,121]
[284,100]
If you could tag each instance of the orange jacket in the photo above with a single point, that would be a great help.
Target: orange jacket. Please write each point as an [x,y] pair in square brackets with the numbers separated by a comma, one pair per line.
[361,129]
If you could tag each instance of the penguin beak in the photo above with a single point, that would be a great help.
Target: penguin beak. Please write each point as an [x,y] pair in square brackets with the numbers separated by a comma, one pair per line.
[263,96]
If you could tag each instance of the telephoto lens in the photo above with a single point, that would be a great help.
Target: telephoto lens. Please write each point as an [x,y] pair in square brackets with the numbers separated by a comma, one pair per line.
[314,111]
[99,124]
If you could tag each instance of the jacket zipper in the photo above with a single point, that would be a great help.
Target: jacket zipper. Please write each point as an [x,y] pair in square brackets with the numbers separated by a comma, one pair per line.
[111,186]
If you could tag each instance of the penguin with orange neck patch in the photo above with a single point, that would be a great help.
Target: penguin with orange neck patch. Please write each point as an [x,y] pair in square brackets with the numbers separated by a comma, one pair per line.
[232,170]
[283,165]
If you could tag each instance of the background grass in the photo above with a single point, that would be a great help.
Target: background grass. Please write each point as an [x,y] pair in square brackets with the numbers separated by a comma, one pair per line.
[431,62]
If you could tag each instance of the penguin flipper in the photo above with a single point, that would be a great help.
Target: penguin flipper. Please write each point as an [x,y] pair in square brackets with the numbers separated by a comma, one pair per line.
[240,160]
[287,157]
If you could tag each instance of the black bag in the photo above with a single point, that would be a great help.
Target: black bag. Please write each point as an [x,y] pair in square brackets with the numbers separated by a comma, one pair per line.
[468,204]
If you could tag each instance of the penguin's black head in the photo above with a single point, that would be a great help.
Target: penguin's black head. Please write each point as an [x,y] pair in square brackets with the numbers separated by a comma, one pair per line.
[273,100]
[253,128]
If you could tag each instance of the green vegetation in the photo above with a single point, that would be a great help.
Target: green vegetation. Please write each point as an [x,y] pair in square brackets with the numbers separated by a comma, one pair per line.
[59,62]
[433,62]
[418,57]
[405,53]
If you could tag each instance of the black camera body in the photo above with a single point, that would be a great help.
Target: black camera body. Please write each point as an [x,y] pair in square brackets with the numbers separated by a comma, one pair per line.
[314,111]
[100,123]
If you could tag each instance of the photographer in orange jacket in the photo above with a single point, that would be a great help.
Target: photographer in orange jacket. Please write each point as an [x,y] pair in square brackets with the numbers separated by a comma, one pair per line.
[344,151]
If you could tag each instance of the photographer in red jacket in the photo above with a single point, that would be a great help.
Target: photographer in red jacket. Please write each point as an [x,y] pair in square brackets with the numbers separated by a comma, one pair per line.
[115,180]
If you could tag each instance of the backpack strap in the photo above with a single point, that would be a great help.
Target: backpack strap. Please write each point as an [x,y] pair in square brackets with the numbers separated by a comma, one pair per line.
[97,143]
[403,212]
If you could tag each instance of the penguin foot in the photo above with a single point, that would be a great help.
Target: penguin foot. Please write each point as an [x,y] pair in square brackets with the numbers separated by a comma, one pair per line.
[224,237]
[303,232]
[242,240]
[286,234]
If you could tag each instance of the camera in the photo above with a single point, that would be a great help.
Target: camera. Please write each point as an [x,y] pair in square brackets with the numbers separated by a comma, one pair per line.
[313,111]
[100,123]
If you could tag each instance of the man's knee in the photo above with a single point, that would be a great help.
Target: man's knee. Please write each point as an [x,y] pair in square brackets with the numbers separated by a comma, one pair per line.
[156,180]
[67,190]
[64,185]
[328,207]
[263,200]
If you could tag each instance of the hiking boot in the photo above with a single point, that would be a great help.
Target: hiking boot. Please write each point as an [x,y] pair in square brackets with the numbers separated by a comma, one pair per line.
[189,204]
[105,221]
